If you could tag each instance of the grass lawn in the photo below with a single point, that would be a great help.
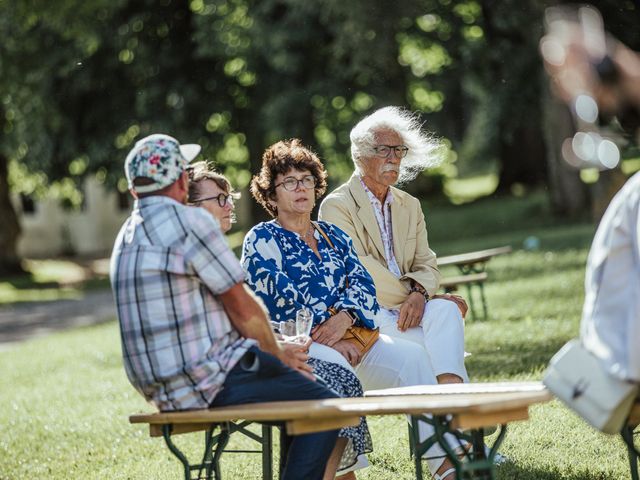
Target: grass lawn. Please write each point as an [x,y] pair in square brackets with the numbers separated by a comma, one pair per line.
[65,398]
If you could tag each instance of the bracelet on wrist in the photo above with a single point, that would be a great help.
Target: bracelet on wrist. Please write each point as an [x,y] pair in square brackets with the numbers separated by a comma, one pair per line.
[421,291]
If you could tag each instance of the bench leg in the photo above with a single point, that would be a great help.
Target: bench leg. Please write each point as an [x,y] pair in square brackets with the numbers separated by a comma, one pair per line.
[467,270]
[634,454]
[166,433]
[285,441]
[209,468]
[223,439]
[472,306]
[265,440]
[477,464]
[418,448]
[484,302]
[267,444]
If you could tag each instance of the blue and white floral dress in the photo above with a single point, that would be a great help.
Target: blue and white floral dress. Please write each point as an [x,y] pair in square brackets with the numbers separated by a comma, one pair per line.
[287,275]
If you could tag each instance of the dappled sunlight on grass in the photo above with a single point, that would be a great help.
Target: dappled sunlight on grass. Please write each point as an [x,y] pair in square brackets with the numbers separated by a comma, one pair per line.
[461,190]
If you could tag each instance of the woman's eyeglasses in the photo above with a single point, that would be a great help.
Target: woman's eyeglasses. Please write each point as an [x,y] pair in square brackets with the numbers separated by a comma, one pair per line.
[383,151]
[291,183]
[221,198]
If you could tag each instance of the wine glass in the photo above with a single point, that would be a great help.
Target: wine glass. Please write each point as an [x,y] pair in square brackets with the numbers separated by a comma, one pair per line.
[288,328]
[304,322]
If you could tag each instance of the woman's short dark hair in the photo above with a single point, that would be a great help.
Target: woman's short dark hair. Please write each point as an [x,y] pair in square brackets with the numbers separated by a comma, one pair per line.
[279,158]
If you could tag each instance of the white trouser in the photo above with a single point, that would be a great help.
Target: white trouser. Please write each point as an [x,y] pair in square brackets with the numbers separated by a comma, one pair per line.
[392,362]
[441,332]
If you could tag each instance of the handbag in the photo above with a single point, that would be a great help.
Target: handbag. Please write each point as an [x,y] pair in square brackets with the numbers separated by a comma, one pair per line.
[362,338]
[580,381]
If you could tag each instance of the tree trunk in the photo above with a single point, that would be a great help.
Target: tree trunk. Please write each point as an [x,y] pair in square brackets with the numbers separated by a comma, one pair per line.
[568,193]
[522,156]
[514,79]
[10,231]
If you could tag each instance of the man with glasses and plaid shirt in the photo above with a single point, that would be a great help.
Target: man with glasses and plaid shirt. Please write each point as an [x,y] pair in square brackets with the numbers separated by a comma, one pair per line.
[390,237]
[192,335]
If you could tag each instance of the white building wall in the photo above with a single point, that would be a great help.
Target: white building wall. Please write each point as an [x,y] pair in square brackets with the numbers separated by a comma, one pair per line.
[52,231]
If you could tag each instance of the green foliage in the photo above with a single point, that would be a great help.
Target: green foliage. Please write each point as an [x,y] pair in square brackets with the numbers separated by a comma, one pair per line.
[82,81]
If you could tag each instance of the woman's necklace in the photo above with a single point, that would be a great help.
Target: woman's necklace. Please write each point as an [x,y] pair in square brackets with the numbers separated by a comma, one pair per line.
[307,237]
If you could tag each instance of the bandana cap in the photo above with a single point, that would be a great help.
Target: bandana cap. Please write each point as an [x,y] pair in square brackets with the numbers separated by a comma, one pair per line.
[159,158]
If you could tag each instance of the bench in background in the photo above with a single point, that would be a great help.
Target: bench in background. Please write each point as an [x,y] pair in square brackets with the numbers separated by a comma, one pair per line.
[472,266]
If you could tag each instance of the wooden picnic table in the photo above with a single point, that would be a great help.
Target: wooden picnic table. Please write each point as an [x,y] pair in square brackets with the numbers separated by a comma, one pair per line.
[472,266]
[446,407]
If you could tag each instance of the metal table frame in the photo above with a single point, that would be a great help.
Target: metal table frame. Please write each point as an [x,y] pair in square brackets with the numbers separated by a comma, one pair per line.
[215,445]
[473,463]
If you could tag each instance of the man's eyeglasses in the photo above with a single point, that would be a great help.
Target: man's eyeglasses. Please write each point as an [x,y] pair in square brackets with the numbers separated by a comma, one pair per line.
[383,151]
[222,199]
[291,183]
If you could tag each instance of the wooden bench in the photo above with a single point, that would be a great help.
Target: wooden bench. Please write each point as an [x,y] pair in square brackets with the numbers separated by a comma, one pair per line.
[451,407]
[476,259]
[627,436]
[451,284]
[472,266]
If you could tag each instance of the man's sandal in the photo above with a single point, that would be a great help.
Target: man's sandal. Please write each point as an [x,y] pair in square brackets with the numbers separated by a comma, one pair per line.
[444,475]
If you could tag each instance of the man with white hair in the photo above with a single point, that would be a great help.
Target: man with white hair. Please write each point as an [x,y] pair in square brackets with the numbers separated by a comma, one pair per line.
[390,237]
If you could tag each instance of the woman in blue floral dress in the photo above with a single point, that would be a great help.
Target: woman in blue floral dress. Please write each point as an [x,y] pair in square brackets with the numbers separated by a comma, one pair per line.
[292,262]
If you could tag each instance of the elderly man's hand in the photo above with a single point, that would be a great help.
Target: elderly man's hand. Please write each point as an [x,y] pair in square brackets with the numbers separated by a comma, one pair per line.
[348,351]
[411,311]
[332,330]
[457,299]
[295,355]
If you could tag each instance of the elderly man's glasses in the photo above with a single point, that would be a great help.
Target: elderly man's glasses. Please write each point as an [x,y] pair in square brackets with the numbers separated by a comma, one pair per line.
[383,151]
[291,183]
[222,199]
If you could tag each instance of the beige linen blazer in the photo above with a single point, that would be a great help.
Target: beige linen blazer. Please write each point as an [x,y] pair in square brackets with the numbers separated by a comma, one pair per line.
[350,209]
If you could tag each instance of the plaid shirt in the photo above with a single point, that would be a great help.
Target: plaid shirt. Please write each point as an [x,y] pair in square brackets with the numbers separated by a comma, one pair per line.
[168,264]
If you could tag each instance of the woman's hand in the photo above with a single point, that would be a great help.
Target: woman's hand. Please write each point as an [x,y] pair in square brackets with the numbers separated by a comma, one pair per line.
[348,351]
[411,311]
[332,330]
[295,355]
[457,299]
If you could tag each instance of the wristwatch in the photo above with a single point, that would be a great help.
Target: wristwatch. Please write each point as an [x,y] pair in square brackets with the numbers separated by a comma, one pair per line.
[353,316]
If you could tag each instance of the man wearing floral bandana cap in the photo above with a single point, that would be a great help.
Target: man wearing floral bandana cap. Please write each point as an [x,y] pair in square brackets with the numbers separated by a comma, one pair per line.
[192,335]
[159,159]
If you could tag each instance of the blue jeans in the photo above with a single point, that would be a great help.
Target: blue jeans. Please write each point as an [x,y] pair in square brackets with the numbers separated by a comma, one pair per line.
[261,377]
